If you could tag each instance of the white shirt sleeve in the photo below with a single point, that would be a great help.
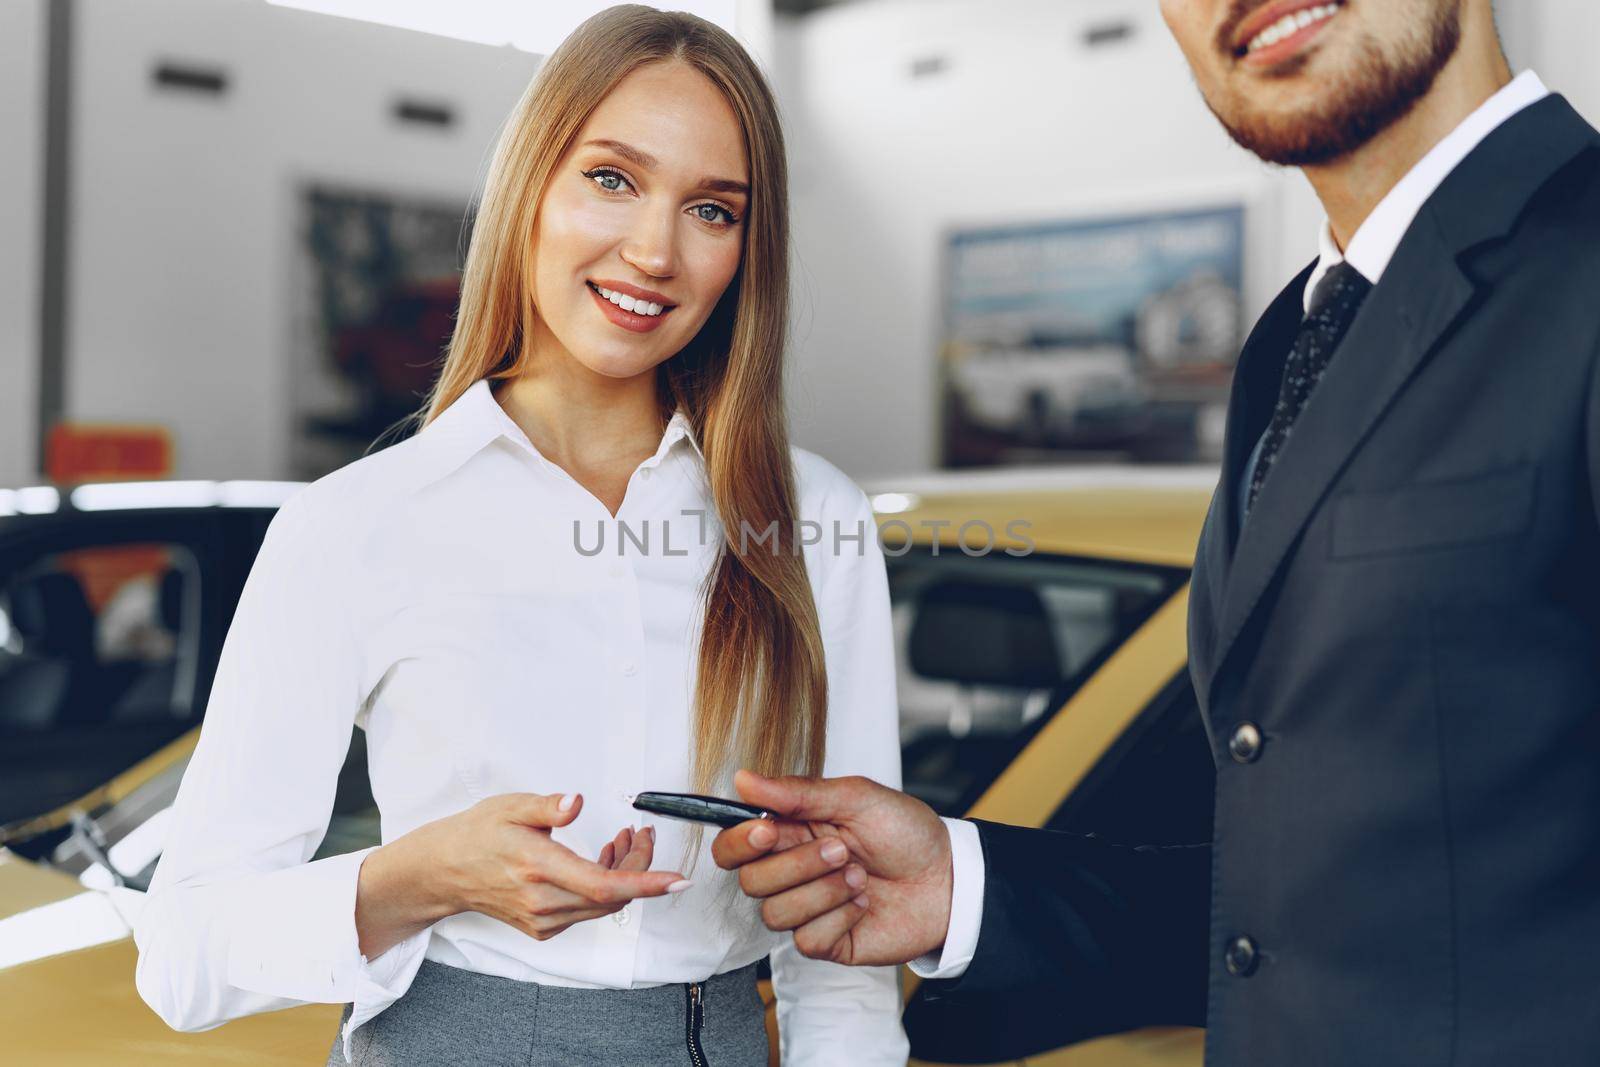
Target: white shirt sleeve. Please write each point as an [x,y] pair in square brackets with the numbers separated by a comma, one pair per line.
[829,1014]
[966,906]
[237,920]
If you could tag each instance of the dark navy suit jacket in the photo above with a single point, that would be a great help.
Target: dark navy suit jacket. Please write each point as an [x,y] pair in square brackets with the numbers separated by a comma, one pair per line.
[1405,870]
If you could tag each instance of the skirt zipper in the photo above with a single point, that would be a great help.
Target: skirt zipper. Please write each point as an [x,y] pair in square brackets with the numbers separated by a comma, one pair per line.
[696,1016]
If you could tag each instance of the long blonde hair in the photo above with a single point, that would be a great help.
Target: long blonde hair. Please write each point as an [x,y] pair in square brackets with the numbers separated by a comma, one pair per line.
[761,689]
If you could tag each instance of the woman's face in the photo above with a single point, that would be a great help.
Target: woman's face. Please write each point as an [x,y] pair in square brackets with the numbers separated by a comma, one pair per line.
[641,226]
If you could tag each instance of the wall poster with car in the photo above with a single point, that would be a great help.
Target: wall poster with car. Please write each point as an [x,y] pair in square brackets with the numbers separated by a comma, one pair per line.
[1107,338]
[377,280]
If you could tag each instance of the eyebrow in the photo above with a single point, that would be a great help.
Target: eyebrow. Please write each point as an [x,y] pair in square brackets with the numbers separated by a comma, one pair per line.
[644,159]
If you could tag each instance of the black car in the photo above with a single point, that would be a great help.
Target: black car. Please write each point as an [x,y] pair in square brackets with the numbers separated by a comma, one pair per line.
[114,601]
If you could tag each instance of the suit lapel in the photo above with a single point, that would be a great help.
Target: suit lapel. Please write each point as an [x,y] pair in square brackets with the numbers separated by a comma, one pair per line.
[1256,382]
[1254,391]
[1424,292]
[1391,338]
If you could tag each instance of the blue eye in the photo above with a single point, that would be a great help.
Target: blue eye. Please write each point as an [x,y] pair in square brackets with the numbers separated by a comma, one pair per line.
[714,213]
[609,180]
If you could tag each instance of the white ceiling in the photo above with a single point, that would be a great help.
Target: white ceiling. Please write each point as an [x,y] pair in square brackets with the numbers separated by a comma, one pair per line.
[533,27]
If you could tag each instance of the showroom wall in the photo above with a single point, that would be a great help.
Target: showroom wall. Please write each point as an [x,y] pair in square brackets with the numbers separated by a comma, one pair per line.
[182,251]
[1020,120]
[21,129]
[1560,39]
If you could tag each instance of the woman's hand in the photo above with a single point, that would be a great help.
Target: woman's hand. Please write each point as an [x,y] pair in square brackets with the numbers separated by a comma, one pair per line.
[497,858]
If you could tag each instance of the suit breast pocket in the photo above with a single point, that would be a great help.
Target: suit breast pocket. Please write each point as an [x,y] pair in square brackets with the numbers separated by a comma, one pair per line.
[1434,515]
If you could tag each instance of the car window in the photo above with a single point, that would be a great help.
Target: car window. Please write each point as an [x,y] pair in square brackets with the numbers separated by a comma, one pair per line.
[99,636]
[986,647]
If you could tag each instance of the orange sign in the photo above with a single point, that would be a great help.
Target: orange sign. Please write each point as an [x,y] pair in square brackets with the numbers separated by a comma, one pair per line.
[102,572]
[84,452]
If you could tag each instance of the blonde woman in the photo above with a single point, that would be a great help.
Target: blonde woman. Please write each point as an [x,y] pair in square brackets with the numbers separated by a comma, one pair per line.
[597,569]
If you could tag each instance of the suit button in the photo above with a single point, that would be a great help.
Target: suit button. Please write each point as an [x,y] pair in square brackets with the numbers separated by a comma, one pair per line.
[1241,957]
[1245,744]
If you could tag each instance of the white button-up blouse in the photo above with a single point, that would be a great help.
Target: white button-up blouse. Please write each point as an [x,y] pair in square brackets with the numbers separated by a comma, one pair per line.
[495,629]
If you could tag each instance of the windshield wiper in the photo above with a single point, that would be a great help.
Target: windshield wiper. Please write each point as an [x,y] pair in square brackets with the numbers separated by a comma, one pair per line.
[90,840]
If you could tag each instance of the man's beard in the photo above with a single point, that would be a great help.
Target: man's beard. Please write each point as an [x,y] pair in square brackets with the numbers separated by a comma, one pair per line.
[1375,94]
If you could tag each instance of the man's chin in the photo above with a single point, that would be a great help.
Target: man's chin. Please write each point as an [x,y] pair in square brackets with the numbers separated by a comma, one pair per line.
[1297,140]
[1328,102]
[1297,114]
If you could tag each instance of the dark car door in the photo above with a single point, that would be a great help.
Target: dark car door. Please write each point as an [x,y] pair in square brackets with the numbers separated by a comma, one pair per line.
[110,627]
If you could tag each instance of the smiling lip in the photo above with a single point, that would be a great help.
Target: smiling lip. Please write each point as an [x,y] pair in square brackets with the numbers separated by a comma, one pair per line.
[1285,48]
[634,291]
[627,319]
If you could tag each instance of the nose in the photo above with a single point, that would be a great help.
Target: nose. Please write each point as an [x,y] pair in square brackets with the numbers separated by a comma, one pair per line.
[652,246]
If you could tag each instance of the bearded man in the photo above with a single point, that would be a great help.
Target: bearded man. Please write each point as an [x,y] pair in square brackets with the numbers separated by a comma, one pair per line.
[1394,622]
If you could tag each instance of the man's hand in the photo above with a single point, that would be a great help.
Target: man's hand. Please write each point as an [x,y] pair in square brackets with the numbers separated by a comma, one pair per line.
[860,873]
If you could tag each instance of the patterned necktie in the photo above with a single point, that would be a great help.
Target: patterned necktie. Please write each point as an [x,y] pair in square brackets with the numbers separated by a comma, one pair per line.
[1334,304]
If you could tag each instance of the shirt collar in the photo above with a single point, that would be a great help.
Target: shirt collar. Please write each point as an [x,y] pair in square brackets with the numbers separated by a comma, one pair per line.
[678,429]
[1374,243]
[475,420]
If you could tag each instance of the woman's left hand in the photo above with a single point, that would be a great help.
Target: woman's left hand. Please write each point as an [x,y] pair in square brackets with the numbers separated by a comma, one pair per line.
[630,850]
[559,908]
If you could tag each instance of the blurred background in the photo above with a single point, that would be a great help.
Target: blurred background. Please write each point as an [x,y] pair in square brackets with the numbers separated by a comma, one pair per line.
[231,236]
[233,228]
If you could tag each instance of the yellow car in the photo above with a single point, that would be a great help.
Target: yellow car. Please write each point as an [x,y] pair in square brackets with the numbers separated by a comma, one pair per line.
[1040,633]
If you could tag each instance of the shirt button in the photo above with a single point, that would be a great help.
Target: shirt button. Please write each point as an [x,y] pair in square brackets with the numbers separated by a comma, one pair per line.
[615,570]
[1245,744]
[621,918]
[1241,957]
[630,669]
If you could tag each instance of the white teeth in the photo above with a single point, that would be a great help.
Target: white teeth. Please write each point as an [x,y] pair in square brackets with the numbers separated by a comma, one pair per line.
[637,305]
[1291,24]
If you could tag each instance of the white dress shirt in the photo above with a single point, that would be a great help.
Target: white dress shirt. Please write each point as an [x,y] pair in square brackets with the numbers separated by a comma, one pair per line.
[447,596]
[1375,241]
[1371,249]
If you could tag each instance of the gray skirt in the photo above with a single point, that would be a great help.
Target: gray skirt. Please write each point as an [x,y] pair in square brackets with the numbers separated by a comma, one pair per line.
[457,1018]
